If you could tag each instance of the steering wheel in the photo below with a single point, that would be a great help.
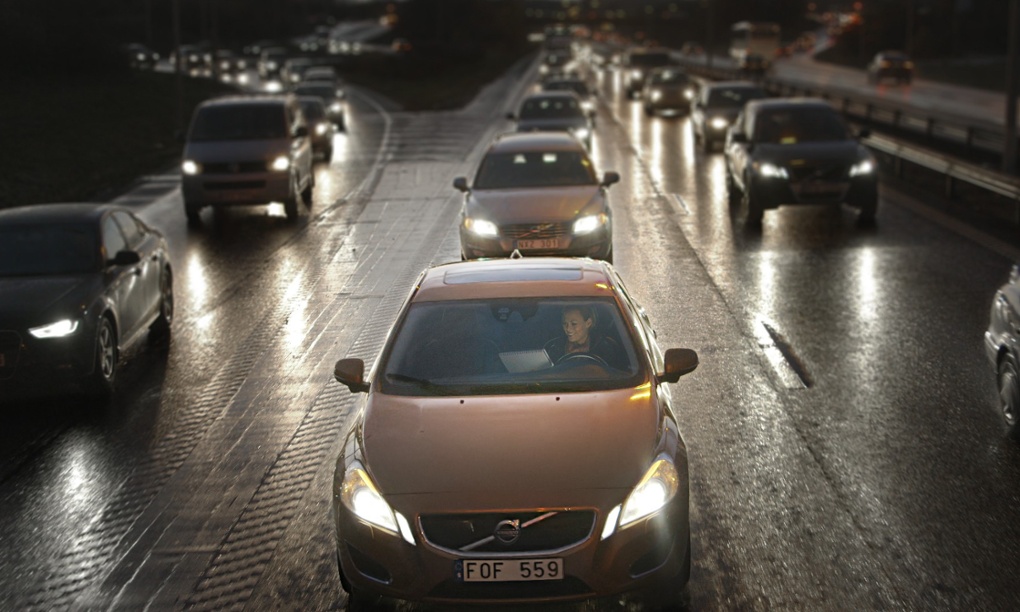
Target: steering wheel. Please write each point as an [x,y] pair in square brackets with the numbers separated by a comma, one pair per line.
[581,357]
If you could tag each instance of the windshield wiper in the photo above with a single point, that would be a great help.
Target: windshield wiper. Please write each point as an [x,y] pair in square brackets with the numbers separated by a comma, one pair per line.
[428,384]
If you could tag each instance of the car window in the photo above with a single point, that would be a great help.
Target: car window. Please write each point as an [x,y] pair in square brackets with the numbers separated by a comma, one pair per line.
[550,108]
[733,98]
[788,126]
[48,249]
[534,169]
[510,346]
[132,232]
[313,109]
[113,239]
[239,122]
[325,91]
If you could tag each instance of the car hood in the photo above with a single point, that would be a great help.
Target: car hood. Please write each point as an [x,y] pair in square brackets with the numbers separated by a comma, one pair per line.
[545,204]
[508,447]
[235,150]
[30,300]
[558,124]
[816,153]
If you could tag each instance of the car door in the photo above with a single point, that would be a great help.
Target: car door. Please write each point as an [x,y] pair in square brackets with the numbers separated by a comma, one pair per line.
[123,283]
[737,142]
[140,239]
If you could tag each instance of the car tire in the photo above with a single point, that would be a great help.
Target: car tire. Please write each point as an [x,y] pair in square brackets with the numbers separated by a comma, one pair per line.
[160,328]
[866,212]
[104,371]
[193,212]
[732,191]
[750,209]
[1009,395]
[306,195]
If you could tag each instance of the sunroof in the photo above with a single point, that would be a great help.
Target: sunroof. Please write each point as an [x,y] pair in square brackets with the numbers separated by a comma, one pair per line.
[512,274]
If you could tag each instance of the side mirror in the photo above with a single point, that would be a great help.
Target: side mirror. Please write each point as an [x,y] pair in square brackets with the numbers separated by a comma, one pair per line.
[511,116]
[125,258]
[351,372]
[863,133]
[460,184]
[610,177]
[679,361]
[301,131]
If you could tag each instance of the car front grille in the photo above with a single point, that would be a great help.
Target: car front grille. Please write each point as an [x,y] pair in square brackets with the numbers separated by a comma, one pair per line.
[535,231]
[551,531]
[235,167]
[834,173]
[235,185]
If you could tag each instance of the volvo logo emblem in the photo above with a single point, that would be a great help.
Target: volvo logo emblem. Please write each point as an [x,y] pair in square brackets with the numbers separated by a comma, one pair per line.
[507,531]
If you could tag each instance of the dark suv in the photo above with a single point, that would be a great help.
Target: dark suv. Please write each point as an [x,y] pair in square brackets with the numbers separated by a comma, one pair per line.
[797,151]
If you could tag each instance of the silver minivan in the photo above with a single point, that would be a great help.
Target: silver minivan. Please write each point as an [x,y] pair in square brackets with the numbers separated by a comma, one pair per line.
[247,150]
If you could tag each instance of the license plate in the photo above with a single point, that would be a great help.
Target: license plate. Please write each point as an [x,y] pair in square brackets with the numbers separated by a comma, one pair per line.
[544,243]
[508,570]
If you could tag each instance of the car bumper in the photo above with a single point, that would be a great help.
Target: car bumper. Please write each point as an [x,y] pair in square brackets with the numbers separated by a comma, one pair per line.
[597,245]
[236,189]
[991,349]
[773,193]
[28,362]
[645,557]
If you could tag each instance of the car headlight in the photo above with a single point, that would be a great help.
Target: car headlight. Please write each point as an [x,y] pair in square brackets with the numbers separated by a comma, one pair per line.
[281,163]
[360,495]
[719,123]
[336,107]
[273,86]
[581,133]
[767,170]
[590,223]
[689,93]
[588,105]
[635,74]
[59,329]
[190,167]
[658,486]
[656,95]
[862,168]
[320,128]
[481,227]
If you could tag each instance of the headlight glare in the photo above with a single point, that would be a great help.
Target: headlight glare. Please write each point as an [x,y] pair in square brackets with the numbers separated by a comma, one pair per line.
[610,527]
[320,128]
[588,224]
[768,170]
[862,168]
[481,227]
[581,133]
[360,496]
[190,167]
[719,123]
[655,490]
[281,163]
[59,329]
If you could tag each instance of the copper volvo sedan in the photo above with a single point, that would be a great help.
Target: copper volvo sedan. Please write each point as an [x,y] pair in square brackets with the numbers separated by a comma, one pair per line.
[537,193]
[516,443]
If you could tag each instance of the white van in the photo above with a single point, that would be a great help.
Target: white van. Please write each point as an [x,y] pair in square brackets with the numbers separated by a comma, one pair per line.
[245,150]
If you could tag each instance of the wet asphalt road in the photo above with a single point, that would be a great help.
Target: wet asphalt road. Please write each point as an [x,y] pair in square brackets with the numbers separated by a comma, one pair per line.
[844,446]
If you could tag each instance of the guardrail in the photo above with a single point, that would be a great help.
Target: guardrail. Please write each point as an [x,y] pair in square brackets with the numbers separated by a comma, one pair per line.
[971,134]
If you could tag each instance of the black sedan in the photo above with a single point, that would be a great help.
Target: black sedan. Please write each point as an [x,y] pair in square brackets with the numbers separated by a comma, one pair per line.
[1002,345]
[555,111]
[79,284]
[798,151]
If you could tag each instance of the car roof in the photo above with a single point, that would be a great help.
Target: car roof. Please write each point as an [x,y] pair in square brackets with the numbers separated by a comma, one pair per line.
[789,103]
[59,212]
[515,142]
[515,278]
[253,99]
[731,85]
[547,95]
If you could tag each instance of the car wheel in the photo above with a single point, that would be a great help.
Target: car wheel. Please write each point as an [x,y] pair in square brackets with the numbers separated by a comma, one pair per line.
[104,372]
[866,212]
[193,212]
[731,190]
[751,210]
[160,328]
[306,195]
[290,205]
[1009,395]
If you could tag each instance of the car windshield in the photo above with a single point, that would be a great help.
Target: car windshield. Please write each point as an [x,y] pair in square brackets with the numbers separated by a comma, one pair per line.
[313,110]
[577,87]
[647,60]
[551,108]
[534,169]
[734,97]
[511,346]
[239,122]
[38,250]
[324,91]
[670,77]
[787,126]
